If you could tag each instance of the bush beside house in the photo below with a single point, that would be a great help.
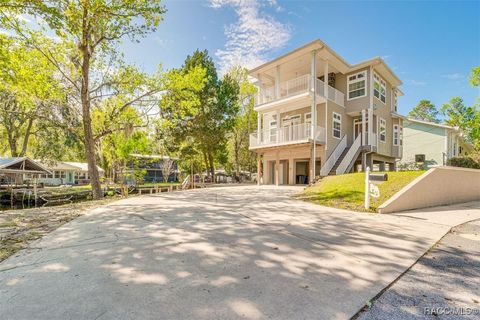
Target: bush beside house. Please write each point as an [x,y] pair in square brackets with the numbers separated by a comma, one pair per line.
[472,162]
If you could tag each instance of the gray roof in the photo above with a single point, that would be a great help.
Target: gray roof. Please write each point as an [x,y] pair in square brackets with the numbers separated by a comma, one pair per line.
[12,164]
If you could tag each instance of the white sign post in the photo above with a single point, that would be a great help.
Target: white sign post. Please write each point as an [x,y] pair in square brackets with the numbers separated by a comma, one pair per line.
[371,190]
[367,188]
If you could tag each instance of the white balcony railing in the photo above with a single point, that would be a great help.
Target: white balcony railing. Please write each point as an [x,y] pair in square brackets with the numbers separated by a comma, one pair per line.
[298,86]
[287,135]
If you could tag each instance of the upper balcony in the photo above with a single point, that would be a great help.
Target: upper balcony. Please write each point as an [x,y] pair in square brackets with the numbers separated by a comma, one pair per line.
[295,134]
[297,88]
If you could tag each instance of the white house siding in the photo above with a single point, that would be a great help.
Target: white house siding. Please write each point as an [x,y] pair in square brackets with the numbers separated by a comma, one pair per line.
[424,139]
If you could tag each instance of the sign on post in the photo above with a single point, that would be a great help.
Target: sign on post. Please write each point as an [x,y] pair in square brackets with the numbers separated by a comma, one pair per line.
[371,190]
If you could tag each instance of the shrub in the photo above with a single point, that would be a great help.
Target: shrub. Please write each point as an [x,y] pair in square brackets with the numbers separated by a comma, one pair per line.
[464,162]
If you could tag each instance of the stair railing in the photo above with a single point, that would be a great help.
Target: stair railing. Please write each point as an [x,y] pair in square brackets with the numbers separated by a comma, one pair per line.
[349,157]
[337,152]
[186,183]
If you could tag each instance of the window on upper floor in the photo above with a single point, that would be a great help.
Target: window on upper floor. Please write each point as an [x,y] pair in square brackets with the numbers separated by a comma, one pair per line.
[379,88]
[272,125]
[395,101]
[308,117]
[383,130]
[397,135]
[337,125]
[357,85]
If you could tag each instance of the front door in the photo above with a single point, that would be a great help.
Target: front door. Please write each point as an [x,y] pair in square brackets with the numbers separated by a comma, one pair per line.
[291,128]
[357,127]
[70,177]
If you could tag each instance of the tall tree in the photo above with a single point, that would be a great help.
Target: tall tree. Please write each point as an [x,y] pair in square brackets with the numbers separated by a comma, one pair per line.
[457,114]
[475,126]
[425,111]
[92,30]
[475,77]
[245,123]
[212,115]
[31,95]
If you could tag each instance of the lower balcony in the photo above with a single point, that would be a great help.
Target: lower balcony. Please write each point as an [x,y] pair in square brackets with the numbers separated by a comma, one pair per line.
[295,134]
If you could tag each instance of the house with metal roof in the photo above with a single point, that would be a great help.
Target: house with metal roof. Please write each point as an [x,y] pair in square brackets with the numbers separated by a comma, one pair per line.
[15,170]
[68,173]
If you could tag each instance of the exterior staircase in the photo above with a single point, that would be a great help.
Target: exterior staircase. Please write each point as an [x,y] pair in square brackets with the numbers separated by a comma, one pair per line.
[340,159]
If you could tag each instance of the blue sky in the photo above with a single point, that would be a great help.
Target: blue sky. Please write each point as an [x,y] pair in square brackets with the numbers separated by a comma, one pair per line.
[431,46]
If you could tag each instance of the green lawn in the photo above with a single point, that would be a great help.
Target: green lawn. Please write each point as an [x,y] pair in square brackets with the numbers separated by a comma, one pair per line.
[347,191]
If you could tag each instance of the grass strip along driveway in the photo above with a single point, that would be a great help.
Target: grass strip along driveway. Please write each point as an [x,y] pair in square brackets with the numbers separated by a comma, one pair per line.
[347,191]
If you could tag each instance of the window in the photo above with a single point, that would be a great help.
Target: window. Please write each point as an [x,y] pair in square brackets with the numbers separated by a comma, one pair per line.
[273,130]
[379,88]
[337,125]
[397,135]
[383,130]
[400,134]
[308,124]
[420,158]
[395,101]
[357,85]
[308,117]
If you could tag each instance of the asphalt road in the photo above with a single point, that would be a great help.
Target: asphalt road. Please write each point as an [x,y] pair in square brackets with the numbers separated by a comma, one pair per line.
[444,284]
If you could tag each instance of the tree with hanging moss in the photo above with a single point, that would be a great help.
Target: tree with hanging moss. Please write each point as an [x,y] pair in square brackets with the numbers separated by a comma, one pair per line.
[90,31]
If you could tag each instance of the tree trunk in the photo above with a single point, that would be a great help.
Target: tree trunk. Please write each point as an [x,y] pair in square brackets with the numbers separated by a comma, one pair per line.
[212,168]
[87,120]
[26,138]
[207,165]
[12,143]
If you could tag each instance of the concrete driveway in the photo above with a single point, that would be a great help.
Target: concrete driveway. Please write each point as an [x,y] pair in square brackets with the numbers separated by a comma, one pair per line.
[220,253]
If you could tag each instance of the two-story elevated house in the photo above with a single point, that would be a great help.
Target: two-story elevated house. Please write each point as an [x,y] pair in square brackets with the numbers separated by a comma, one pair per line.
[319,115]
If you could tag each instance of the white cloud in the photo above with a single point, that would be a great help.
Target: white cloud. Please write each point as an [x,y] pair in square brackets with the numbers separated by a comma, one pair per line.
[162,42]
[252,36]
[454,76]
[417,83]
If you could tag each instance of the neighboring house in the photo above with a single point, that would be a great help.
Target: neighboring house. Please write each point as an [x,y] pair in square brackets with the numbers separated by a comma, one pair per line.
[154,165]
[312,104]
[431,144]
[19,170]
[70,173]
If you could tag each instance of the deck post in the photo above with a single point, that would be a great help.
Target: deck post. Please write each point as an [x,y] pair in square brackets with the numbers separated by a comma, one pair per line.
[314,111]
[277,167]
[364,123]
[291,168]
[259,169]
[277,83]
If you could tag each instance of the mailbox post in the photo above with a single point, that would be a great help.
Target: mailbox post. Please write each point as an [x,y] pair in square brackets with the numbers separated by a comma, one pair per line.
[371,190]
[367,188]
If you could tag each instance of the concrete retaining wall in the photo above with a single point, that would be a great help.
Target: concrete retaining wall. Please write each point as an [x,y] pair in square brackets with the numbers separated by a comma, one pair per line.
[436,187]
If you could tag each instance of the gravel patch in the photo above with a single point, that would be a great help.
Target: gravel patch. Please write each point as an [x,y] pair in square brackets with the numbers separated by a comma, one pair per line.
[20,227]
